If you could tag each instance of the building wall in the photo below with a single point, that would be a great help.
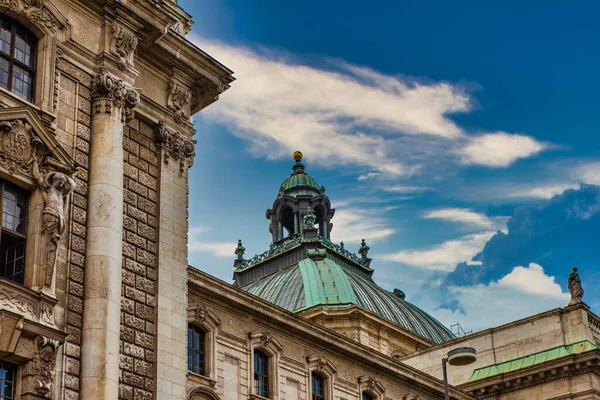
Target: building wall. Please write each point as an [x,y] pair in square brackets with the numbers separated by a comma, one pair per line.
[237,322]
[516,339]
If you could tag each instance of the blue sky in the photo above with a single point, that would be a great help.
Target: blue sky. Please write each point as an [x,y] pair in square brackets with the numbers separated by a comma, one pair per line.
[453,136]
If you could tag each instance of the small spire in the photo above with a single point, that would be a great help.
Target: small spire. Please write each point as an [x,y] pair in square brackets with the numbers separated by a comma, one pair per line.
[239,250]
[364,249]
[298,168]
[342,244]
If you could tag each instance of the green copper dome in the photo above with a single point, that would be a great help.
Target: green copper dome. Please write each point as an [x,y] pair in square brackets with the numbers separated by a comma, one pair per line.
[299,179]
[312,283]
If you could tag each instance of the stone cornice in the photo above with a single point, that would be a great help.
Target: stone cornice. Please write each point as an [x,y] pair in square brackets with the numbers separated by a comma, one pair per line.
[219,291]
[537,375]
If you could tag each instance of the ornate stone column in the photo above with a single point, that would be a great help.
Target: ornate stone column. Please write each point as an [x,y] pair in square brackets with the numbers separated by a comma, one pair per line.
[112,102]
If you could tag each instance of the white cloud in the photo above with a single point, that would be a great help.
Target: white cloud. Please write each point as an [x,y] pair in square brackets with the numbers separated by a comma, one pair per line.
[543,191]
[588,173]
[499,149]
[351,225]
[467,217]
[443,257]
[217,249]
[280,106]
[405,189]
[523,292]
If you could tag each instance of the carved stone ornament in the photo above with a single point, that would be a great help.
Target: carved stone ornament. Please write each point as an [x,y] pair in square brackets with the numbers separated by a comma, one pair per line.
[179,101]
[38,374]
[265,339]
[36,11]
[201,313]
[371,384]
[321,363]
[17,302]
[411,397]
[176,146]
[110,92]
[123,45]
[18,145]
[55,186]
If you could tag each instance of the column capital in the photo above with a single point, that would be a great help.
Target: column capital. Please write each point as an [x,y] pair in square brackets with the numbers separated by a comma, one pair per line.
[109,91]
[175,146]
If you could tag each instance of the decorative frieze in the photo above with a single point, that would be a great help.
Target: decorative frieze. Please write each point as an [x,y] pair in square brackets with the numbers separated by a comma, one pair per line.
[175,146]
[123,44]
[179,100]
[38,374]
[110,92]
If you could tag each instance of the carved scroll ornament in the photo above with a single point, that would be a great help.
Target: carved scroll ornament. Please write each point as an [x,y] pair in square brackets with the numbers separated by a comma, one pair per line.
[18,145]
[179,101]
[176,146]
[34,10]
[110,92]
[38,374]
[123,46]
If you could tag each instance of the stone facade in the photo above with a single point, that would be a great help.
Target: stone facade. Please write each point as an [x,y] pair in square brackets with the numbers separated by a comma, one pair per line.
[98,298]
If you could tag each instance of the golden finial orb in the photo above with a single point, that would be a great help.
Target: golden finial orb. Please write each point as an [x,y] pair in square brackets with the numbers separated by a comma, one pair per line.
[297,156]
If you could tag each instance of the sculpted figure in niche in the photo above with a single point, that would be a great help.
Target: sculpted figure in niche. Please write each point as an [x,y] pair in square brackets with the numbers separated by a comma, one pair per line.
[55,187]
[575,287]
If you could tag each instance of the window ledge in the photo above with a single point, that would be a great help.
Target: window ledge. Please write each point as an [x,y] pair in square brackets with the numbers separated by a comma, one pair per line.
[201,380]
[254,396]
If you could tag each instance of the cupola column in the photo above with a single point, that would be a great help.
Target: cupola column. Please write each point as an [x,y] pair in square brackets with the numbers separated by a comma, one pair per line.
[112,101]
[296,230]
[324,228]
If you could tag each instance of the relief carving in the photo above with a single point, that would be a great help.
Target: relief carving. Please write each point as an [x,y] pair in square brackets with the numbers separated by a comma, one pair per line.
[38,374]
[17,146]
[123,46]
[18,303]
[55,187]
[35,10]
[110,92]
[179,101]
[176,146]
[411,397]
[201,313]
[265,339]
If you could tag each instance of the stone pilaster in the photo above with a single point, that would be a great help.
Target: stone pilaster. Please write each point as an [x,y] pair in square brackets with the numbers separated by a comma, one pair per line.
[111,100]
[177,155]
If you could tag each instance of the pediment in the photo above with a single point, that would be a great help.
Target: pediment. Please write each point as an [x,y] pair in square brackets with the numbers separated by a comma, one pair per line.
[23,137]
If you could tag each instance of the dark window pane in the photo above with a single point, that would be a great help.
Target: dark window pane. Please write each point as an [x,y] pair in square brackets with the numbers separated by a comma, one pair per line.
[12,250]
[22,81]
[196,339]
[318,387]
[18,50]
[7,378]
[261,373]
[5,38]
[14,210]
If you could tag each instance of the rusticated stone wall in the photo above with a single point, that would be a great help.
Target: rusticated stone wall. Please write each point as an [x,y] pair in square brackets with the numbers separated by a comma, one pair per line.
[139,262]
[73,130]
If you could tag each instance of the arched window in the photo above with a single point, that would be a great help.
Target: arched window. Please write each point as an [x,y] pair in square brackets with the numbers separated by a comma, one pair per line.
[261,373]
[17,58]
[318,387]
[13,232]
[196,350]
[366,396]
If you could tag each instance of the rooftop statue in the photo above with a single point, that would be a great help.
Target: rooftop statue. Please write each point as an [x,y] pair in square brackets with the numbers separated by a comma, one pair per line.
[575,287]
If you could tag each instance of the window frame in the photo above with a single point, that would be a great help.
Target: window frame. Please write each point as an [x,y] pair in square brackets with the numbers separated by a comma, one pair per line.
[269,345]
[257,355]
[15,25]
[202,371]
[20,236]
[318,396]
[13,369]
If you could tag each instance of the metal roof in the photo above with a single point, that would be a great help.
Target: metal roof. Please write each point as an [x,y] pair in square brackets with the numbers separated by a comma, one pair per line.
[311,283]
[531,360]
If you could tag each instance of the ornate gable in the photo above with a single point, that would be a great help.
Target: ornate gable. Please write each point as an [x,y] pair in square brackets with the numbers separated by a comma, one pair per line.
[23,137]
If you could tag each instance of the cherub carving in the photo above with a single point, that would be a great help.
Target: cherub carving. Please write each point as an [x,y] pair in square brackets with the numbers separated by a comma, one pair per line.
[55,187]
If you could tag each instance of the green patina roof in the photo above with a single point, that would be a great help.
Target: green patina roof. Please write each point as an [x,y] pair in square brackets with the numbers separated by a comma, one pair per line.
[531,360]
[299,180]
[312,283]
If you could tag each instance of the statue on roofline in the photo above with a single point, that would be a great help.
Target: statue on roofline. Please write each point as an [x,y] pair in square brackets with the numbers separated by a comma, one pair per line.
[575,287]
